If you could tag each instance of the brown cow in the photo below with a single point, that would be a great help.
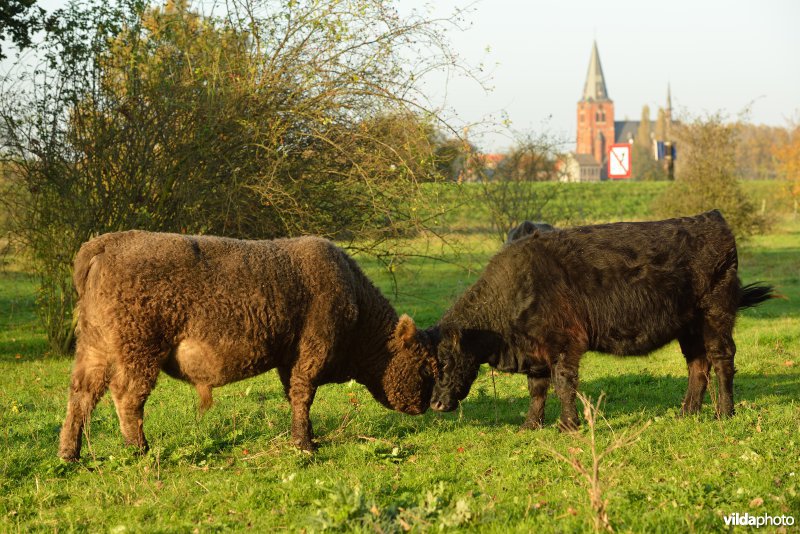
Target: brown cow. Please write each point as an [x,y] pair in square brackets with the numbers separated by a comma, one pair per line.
[211,311]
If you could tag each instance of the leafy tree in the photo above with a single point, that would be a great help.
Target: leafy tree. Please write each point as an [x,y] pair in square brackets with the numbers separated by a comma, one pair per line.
[19,20]
[645,134]
[787,155]
[452,157]
[279,119]
[661,125]
[644,165]
[47,194]
[706,176]
[755,154]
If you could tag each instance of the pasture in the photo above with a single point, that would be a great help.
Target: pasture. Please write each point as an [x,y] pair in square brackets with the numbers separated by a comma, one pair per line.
[236,469]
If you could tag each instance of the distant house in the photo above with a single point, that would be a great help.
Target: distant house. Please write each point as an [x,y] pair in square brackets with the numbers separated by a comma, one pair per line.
[478,166]
[579,168]
[490,162]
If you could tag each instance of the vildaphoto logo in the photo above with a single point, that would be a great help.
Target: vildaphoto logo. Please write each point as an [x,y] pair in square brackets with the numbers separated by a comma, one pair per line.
[747,520]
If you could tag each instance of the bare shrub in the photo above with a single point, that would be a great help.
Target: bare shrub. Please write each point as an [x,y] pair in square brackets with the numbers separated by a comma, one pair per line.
[506,189]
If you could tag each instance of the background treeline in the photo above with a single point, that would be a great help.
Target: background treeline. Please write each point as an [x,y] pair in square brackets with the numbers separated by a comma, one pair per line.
[757,149]
[289,117]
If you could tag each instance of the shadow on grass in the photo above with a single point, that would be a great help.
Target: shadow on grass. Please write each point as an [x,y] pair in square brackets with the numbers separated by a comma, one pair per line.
[632,393]
[624,395]
[17,299]
[218,442]
[31,347]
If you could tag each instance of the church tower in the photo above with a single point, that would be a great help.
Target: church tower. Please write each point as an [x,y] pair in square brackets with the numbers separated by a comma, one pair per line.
[595,113]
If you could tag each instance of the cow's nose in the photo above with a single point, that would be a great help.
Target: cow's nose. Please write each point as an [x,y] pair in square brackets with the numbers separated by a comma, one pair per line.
[438,406]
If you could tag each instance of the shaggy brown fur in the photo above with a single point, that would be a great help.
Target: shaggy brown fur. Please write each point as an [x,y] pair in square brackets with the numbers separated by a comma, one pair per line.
[212,311]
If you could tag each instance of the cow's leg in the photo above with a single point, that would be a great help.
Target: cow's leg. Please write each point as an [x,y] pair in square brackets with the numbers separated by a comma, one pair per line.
[315,351]
[721,350]
[699,367]
[301,395]
[325,322]
[130,387]
[285,374]
[565,382]
[88,383]
[538,384]
[719,316]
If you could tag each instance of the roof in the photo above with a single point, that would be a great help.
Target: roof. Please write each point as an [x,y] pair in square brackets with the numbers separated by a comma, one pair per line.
[585,160]
[491,160]
[625,130]
[595,87]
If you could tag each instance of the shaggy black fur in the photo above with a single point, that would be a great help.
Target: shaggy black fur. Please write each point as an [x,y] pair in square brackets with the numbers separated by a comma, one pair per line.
[624,288]
[527,228]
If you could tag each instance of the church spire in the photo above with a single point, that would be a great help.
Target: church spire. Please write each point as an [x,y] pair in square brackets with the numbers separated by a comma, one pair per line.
[669,98]
[668,115]
[595,87]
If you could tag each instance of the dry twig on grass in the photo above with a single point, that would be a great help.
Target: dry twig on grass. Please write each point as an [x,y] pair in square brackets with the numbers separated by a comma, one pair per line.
[590,472]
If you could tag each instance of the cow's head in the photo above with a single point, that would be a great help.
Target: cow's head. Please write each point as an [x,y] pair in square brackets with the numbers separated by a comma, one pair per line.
[460,354]
[527,228]
[407,381]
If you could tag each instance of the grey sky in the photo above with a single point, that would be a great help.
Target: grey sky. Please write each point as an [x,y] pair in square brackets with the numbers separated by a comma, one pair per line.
[717,55]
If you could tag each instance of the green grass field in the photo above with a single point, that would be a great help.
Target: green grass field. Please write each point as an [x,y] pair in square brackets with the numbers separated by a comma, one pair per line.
[235,469]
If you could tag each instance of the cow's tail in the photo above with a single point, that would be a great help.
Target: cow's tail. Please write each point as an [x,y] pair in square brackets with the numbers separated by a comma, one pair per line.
[754,294]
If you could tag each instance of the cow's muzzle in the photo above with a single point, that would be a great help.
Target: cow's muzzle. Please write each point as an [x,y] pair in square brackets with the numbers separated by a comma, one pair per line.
[443,406]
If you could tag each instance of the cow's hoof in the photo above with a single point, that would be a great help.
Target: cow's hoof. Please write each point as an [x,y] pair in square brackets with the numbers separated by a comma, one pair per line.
[531,425]
[306,446]
[568,426]
[69,454]
[687,411]
[137,449]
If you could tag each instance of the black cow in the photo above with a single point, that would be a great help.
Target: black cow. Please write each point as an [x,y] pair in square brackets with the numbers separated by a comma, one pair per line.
[624,288]
[527,228]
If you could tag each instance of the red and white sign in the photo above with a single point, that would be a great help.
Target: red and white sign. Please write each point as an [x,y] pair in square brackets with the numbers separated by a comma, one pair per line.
[619,161]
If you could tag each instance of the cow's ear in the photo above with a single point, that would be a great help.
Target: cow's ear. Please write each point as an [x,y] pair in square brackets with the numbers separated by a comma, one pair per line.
[405,330]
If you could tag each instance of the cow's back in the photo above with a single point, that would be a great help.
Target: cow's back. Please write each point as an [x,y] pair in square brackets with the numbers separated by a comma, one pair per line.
[241,303]
[632,287]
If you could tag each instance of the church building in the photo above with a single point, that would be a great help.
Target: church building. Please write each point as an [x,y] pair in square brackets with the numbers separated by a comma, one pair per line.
[595,113]
[597,129]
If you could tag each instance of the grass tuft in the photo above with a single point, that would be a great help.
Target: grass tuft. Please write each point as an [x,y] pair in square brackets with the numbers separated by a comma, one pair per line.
[236,469]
